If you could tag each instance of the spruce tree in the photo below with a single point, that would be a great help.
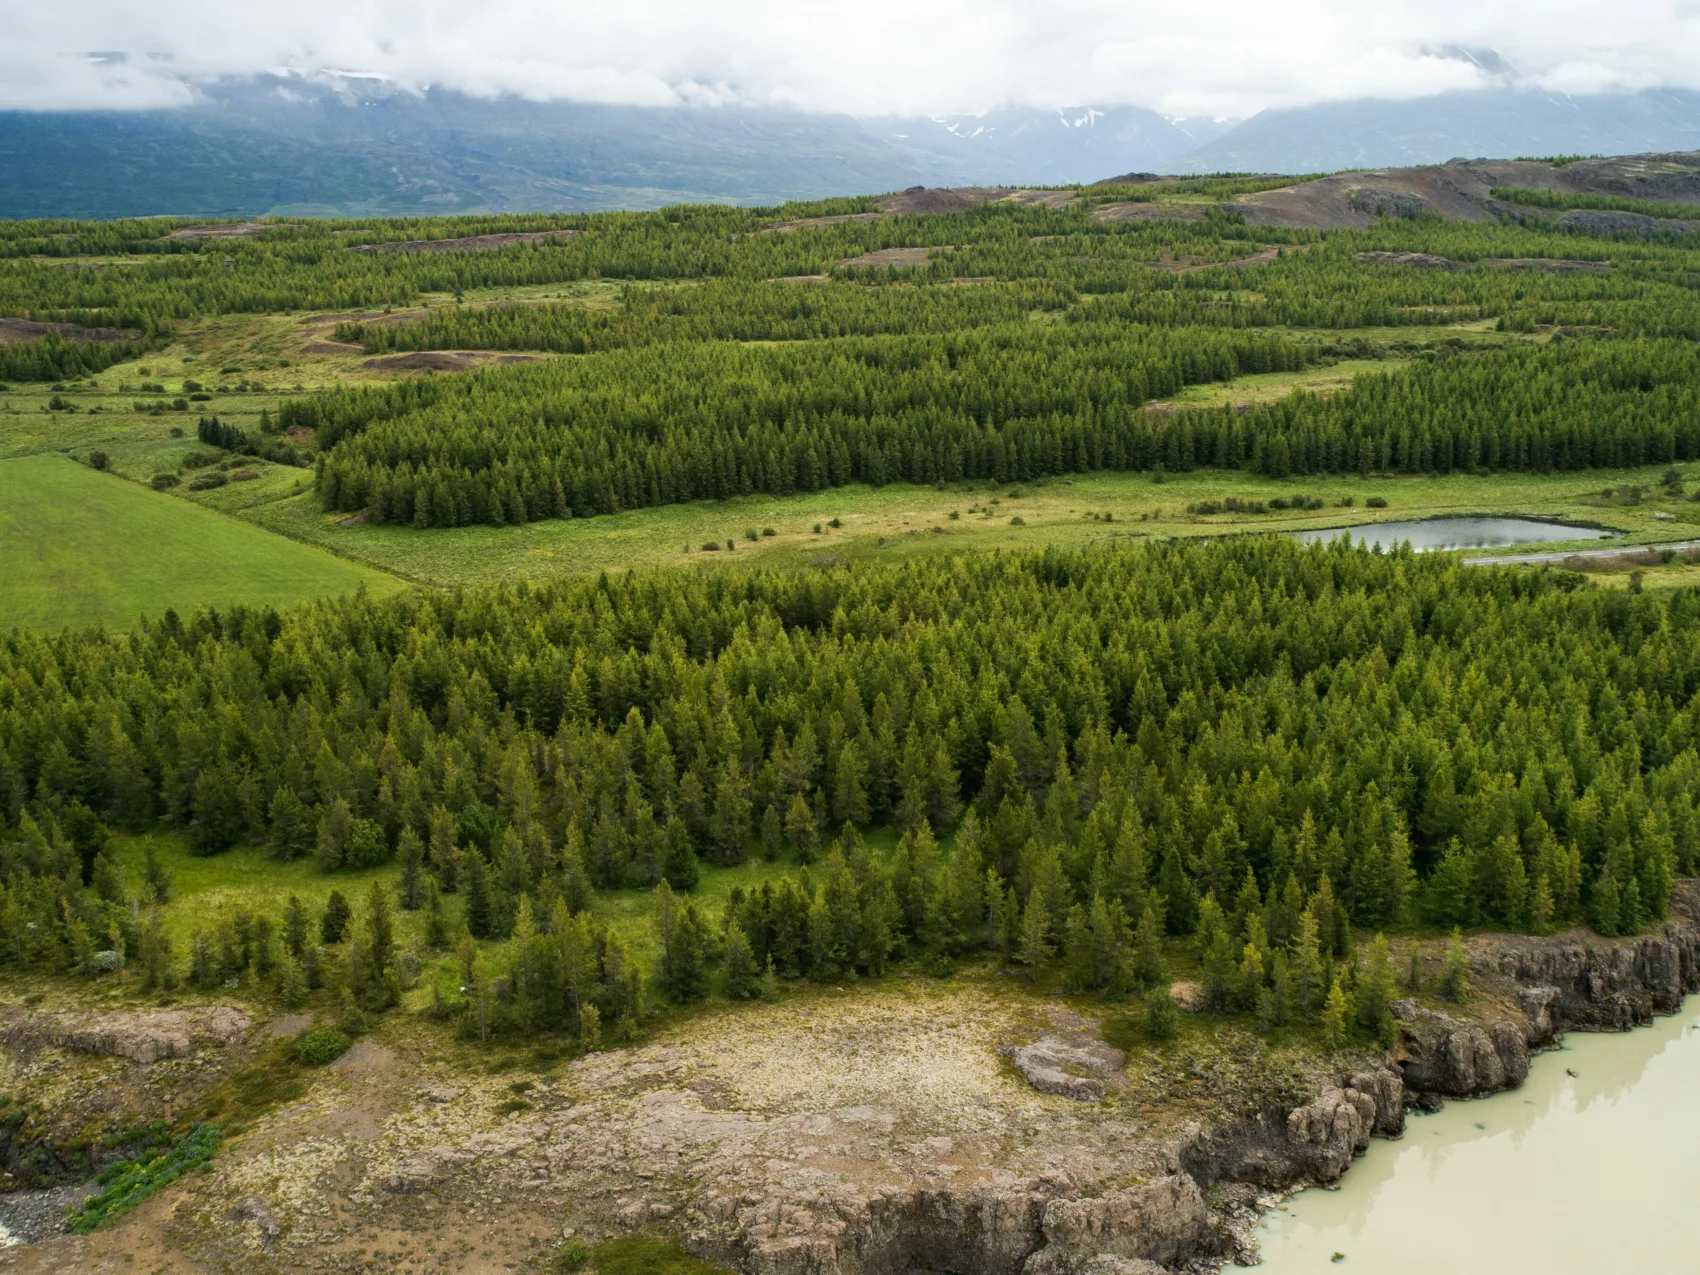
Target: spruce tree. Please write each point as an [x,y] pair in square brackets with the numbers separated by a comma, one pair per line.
[678,860]
[1307,961]
[1035,941]
[480,908]
[292,830]
[336,828]
[1180,902]
[743,976]
[436,922]
[1608,902]
[410,852]
[1077,950]
[1148,948]
[1374,994]
[1334,1017]
[380,935]
[687,978]
[335,919]
[156,875]
[801,832]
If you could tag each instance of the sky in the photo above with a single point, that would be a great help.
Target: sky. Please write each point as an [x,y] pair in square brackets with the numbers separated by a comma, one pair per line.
[1227,58]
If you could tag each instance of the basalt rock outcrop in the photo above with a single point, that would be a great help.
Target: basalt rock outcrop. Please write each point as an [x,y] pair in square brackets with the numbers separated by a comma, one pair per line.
[1535,989]
[1291,1142]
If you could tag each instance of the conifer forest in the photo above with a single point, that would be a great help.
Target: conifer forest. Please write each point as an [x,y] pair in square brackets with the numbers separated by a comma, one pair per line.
[546,802]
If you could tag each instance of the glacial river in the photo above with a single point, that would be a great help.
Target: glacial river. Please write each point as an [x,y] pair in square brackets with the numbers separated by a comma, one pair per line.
[1591,1168]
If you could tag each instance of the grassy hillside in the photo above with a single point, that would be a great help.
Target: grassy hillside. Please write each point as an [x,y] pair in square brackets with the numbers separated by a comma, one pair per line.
[80,547]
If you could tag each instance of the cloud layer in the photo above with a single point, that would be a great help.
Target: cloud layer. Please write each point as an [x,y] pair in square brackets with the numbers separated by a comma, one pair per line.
[1233,57]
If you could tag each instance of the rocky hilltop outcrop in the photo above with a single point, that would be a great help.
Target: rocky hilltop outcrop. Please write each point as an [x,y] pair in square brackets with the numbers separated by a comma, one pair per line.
[1462,190]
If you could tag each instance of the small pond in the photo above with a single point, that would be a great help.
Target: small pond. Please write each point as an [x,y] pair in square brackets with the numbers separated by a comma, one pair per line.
[1456,533]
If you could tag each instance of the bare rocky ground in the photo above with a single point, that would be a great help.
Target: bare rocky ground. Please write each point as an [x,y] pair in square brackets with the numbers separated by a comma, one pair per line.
[1460,191]
[960,1125]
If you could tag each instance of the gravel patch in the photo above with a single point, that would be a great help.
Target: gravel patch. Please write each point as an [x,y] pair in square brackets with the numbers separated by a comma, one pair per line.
[27,1217]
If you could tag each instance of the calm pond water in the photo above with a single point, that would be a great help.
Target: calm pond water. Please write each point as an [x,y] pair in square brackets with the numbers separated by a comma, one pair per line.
[1592,1166]
[1456,533]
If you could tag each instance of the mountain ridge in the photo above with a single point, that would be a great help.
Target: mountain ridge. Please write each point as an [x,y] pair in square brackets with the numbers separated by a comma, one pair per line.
[349,145]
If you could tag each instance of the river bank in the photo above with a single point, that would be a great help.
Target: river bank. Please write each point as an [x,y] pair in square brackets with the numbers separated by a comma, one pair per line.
[1597,1144]
[863,1131]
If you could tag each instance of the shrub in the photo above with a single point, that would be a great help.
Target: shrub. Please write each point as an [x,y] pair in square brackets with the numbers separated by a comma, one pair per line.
[200,460]
[574,1256]
[243,476]
[1018,521]
[164,482]
[366,845]
[206,482]
[955,515]
[834,523]
[320,1046]
[750,533]
[201,397]
[99,460]
[1161,1017]
[817,529]
[768,531]
[127,1183]
[1376,502]
[709,546]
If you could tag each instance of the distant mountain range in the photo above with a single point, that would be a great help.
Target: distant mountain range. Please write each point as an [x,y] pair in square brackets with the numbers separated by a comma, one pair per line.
[347,145]
[1489,123]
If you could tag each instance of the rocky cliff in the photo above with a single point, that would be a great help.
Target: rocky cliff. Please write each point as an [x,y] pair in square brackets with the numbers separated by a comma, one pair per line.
[959,1126]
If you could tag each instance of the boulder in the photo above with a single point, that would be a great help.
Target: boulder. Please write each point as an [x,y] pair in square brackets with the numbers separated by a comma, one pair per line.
[1081,1071]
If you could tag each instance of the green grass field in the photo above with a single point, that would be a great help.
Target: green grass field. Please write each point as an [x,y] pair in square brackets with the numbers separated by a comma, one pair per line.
[79,547]
[62,525]
[902,520]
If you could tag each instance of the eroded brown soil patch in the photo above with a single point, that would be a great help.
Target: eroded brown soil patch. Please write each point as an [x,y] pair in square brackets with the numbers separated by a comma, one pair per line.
[443,360]
[229,230]
[471,243]
[888,257]
[23,331]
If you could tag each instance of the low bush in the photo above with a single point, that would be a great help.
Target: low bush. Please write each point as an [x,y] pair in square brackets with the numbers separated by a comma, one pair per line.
[206,482]
[127,1183]
[320,1046]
